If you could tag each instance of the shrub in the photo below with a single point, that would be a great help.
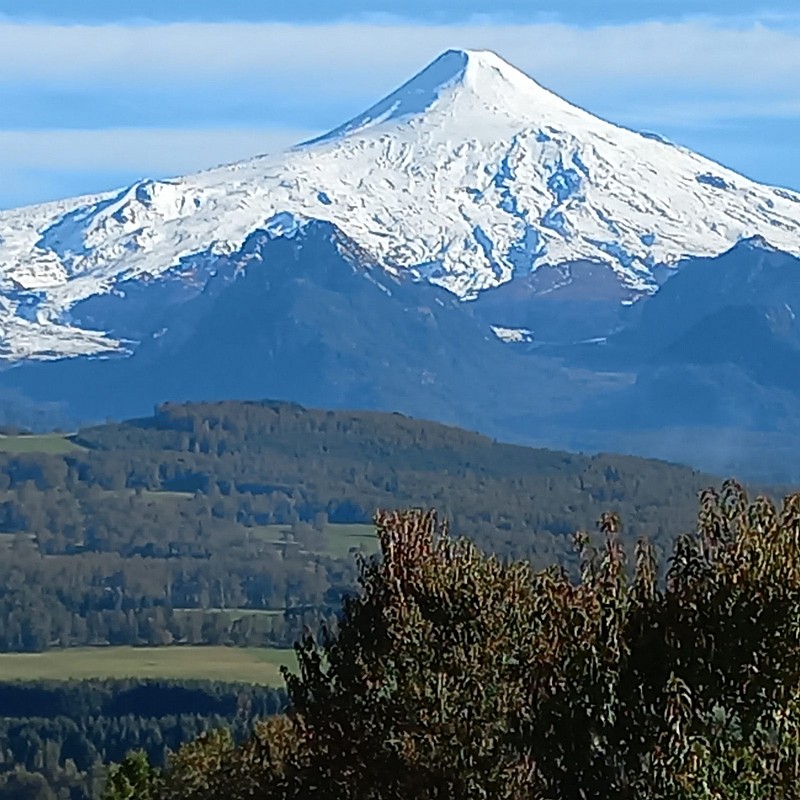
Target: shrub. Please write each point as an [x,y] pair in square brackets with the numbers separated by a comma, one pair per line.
[454,675]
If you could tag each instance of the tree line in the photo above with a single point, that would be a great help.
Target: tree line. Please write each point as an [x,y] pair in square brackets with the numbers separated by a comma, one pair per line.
[148,518]
[57,737]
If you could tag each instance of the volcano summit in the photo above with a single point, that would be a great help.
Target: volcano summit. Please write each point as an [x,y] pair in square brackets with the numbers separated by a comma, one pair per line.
[469,175]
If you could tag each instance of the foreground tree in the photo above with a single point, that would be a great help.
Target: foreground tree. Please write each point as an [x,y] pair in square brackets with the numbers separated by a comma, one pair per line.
[134,779]
[453,675]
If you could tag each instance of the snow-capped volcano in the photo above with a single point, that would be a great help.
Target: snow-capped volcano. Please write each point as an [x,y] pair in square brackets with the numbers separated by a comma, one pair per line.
[469,174]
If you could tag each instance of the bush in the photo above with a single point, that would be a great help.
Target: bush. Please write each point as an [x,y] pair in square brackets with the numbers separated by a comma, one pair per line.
[453,675]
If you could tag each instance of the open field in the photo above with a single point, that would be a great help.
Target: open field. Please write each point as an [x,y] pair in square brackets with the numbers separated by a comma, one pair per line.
[338,539]
[166,496]
[233,614]
[54,443]
[248,665]
[8,540]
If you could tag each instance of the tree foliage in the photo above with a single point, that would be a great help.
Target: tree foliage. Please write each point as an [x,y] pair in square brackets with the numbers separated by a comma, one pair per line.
[456,675]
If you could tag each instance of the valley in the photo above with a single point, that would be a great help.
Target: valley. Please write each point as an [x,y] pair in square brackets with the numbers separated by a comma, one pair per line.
[176,559]
[236,523]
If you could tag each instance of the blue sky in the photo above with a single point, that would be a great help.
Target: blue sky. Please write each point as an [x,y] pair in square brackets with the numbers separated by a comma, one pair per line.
[97,94]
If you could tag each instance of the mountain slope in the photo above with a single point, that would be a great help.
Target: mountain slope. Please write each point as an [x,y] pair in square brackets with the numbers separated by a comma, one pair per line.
[750,275]
[718,344]
[308,318]
[471,174]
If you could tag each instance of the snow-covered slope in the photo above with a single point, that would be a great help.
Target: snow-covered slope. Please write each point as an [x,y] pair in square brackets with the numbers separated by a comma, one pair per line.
[468,174]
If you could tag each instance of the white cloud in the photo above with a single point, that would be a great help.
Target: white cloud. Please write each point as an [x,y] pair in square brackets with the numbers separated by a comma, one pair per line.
[47,164]
[693,53]
[147,150]
[689,72]
[702,113]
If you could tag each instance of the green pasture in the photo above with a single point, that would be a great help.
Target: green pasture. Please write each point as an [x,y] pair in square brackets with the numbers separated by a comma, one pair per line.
[245,664]
[54,443]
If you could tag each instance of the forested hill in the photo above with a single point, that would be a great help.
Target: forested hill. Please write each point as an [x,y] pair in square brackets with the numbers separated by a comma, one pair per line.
[274,432]
[283,462]
[233,522]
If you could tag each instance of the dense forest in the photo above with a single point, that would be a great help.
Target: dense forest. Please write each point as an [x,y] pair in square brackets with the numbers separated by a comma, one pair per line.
[56,738]
[238,506]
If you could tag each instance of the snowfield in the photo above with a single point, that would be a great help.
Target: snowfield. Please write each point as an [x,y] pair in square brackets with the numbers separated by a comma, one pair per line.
[468,174]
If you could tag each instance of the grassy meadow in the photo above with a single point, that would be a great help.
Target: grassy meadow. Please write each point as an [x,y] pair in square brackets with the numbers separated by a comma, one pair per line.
[53,443]
[337,541]
[247,665]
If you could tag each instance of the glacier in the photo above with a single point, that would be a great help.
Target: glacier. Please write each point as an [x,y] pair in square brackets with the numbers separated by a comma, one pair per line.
[468,175]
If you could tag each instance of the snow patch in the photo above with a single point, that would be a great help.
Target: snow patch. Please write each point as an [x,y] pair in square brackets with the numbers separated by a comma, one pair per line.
[512,335]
